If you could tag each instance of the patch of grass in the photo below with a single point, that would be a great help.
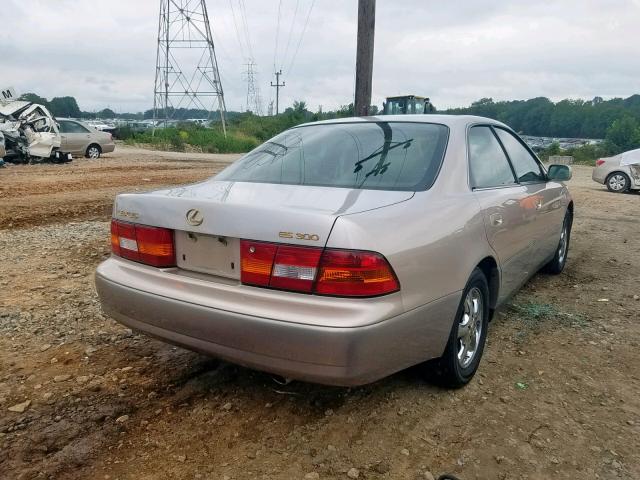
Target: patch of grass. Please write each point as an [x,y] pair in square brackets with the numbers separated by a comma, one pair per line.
[533,315]
[211,140]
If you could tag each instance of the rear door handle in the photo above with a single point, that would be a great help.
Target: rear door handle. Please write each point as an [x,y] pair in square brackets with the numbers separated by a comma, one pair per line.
[496,219]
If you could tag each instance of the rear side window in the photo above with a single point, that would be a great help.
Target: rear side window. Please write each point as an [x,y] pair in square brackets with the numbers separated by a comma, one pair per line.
[361,155]
[526,166]
[487,162]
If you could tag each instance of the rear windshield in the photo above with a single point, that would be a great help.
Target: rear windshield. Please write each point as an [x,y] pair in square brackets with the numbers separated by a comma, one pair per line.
[364,155]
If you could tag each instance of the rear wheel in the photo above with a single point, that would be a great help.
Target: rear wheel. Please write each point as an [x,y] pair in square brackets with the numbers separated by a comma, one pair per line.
[93,151]
[556,265]
[466,341]
[618,182]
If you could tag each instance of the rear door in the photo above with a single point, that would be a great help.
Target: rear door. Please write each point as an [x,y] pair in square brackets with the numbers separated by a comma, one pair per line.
[508,223]
[546,198]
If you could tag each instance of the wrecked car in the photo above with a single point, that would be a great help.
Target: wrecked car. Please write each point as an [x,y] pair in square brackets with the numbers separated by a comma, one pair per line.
[29,134]
[619,173]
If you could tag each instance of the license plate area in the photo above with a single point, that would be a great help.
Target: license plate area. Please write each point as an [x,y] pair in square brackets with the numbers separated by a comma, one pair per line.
[211,254]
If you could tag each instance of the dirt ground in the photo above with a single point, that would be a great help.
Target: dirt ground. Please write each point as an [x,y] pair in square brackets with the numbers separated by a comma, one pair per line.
[556,395]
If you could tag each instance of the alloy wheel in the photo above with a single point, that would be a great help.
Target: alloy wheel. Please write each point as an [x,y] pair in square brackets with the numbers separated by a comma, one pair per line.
[617,182]
[470,327]
[562,248]
[94,152]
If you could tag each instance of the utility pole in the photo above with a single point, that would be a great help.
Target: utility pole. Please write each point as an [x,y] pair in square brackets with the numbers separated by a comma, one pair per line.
[364,56]
[278,85]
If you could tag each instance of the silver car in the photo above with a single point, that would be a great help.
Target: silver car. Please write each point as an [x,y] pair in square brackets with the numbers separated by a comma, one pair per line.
[79,138]
[618,178]
[343,251]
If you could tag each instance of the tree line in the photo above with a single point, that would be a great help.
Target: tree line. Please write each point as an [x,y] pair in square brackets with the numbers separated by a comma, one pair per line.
[567,118]
[616,120]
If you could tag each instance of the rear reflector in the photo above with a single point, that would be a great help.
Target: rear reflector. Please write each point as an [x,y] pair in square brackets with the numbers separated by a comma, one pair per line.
[599,162]
[348,273]
[345,273]
[141,243]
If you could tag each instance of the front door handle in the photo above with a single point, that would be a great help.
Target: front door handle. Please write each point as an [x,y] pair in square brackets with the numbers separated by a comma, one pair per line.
[539,204]
[496,219]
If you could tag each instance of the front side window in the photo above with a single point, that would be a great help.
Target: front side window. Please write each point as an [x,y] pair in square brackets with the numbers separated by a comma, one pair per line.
[488,164]
[526,166]
[63,127]
[71,127]
[362,155]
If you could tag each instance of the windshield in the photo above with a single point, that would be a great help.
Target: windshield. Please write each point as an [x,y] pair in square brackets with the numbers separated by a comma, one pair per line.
[363,155]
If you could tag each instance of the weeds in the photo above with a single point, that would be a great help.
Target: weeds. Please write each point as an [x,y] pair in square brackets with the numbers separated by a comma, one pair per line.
[533,315]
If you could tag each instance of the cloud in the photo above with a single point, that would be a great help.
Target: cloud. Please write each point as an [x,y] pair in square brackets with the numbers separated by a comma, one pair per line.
[103,52]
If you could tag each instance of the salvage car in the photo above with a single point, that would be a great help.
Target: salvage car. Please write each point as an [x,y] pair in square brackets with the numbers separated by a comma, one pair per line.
[342,251]
[619,173]
[82,139]
[29,133]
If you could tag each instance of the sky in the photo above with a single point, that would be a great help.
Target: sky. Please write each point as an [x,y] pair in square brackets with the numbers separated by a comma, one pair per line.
[103,52]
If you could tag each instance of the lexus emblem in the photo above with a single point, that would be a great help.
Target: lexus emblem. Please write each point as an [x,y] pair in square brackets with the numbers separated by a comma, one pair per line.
[194,217]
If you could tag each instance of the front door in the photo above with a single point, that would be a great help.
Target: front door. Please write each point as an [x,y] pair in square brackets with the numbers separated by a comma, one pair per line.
[74,136]
[545,198]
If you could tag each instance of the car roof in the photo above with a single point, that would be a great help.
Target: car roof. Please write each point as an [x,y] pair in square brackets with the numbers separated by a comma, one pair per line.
[448,120]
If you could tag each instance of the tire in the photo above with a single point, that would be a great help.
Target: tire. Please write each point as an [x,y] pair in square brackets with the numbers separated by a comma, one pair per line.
[559,260]
[618,182]
[458,365]
[93,151]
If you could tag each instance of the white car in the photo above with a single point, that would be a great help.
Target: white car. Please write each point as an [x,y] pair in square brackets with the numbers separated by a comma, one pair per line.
[619,173]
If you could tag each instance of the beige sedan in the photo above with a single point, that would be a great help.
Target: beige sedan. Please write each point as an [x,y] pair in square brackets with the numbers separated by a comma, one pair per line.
[79,138]
[343,251]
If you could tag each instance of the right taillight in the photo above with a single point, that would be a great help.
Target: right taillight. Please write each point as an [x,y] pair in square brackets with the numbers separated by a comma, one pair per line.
[343,273]
[352,273]
[599,162]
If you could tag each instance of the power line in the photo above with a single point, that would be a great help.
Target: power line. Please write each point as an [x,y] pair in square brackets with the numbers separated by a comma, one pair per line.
[235,26]
[243,16]
[275,51]
[304,29]
[293,21]
[275,54]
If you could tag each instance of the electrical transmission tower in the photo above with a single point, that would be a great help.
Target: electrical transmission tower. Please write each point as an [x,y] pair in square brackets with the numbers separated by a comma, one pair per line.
[254,101]
[187,73]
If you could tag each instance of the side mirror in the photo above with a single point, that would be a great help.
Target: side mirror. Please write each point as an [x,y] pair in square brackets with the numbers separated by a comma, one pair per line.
[560,173]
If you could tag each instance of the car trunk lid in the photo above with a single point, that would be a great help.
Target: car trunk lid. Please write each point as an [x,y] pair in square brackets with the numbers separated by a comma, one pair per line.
[210,217]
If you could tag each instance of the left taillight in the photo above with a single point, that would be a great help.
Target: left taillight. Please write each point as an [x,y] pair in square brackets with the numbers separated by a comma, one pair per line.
[599,162]
[141,243]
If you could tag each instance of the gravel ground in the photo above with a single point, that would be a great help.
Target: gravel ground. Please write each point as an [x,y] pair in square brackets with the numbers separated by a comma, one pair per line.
[81,397]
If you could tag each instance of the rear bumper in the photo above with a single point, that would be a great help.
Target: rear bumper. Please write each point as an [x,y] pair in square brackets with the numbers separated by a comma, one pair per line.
[599,175]
[108,147]
[323,354]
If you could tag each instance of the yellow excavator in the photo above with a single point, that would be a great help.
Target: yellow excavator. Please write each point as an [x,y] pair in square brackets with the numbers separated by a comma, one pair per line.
[407,105]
